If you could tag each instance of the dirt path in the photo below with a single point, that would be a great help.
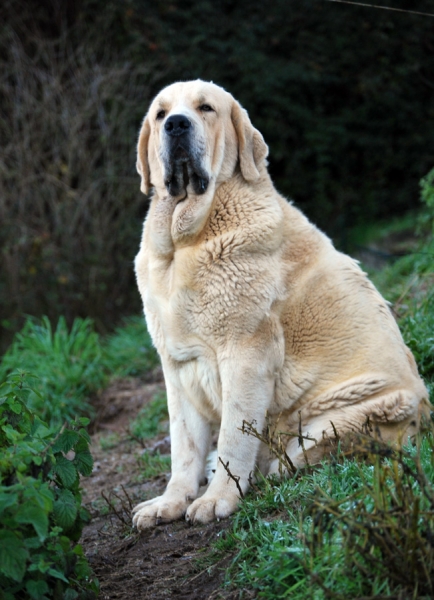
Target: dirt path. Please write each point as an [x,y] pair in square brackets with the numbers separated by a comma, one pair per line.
[163,562]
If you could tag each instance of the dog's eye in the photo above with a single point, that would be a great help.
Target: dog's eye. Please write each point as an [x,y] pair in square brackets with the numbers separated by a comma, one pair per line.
[206,108]
[161,114]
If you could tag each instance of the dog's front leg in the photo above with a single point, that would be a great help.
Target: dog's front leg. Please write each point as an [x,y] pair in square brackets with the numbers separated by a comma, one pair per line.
[247,388]
[189,434]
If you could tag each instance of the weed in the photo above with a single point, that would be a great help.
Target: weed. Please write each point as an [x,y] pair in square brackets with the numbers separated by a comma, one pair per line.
[346,529]
[120,505]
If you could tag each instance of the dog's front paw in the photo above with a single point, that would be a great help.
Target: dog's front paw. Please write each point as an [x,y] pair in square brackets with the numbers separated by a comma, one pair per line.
[207,508]
[158,510]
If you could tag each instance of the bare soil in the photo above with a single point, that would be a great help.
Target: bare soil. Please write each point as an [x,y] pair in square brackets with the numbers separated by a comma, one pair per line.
[161,563]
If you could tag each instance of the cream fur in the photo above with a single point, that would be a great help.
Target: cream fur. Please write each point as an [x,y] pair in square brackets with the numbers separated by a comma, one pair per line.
[254,313]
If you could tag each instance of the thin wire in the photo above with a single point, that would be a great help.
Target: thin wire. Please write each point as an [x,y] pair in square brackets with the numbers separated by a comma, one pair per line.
[412,12]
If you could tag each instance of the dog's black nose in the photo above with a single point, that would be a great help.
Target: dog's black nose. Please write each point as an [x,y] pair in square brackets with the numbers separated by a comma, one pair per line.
[177,125]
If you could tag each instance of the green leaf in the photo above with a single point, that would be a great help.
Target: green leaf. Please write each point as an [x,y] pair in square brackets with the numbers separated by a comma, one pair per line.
[41,495]
[70,594]
[32,543]
[7,499]
[34,515]
[65,469]
[13,556]
[37,589]
[84,462]
[78,550]
[85,438]
[83,569]
[65,509]
[57,574]
[66,441]
[15,407]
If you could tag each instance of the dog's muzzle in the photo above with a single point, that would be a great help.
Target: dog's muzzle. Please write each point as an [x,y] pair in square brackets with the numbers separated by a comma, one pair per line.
[183,161]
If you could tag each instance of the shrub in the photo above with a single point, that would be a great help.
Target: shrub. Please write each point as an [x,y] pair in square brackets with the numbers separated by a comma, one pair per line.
[348,529]
[41,516]
[384,529]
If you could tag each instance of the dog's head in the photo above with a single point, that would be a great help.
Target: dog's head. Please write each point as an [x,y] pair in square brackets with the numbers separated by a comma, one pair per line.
[195,133]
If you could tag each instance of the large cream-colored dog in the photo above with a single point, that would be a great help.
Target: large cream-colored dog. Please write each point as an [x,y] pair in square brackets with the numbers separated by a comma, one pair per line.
[252,309]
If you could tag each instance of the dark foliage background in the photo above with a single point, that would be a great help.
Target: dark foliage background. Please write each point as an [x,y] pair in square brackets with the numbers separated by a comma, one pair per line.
[343,95]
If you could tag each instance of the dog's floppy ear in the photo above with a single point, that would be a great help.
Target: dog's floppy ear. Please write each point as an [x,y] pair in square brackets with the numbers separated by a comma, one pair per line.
[142,164]
[252,149]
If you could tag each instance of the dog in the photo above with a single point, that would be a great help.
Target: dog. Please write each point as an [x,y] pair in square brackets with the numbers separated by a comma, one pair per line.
[256,316]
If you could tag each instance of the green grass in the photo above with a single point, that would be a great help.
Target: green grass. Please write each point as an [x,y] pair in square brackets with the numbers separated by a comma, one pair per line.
[72,364]
[109,441]
[313,536]
[151,420]
[66,363]
[128,352]
[153,465]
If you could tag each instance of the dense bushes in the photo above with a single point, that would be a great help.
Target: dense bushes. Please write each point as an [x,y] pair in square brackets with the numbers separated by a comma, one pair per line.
[342,94]
[70,209]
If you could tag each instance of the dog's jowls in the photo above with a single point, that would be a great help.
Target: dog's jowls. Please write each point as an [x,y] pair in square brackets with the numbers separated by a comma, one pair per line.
[254,313]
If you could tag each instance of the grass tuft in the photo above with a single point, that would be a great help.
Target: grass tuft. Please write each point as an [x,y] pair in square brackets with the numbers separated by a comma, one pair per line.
[153,419]
[153,465]
[72,364]
[67,365]
[128,352]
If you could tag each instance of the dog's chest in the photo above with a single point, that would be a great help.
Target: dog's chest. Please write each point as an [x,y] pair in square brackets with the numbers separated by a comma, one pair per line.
[209,297]
[178,320]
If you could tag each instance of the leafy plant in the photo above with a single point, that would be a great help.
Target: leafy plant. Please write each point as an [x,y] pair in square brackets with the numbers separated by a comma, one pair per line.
[418,330]
[427,195]
[41,516]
